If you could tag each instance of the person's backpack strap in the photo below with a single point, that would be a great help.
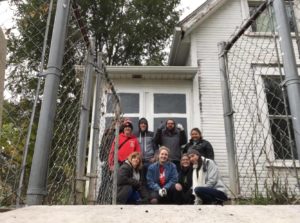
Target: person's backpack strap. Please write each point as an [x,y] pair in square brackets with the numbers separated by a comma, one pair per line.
[123,143]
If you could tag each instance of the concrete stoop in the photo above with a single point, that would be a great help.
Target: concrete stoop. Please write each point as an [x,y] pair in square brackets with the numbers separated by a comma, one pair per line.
[154,213]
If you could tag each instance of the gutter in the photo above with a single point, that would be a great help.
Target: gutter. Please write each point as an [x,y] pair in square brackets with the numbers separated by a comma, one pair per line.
[151,70]
[176,42]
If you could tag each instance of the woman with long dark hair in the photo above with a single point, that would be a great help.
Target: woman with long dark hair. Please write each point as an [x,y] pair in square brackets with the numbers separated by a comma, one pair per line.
[201,145]
[208,186]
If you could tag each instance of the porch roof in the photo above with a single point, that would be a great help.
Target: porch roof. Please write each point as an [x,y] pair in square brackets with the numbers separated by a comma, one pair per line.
[152,72]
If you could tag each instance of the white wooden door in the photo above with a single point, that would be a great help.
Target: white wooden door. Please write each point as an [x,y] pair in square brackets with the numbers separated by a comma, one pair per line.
[156,101]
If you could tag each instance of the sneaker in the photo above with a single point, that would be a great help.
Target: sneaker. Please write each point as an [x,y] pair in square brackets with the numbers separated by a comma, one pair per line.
[197,201]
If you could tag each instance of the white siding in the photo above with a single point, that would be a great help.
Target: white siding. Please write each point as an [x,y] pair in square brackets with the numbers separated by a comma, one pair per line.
[204,51]
[204,54]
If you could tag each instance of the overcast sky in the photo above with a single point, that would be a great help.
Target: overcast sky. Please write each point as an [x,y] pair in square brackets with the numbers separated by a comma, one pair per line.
[188,6]
[6,14]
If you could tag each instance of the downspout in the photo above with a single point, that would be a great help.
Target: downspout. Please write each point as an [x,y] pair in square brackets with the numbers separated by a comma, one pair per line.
[178,36]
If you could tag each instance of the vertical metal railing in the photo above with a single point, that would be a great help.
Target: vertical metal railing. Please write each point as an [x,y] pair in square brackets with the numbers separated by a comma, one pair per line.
[38,175]
[228,123]
[292,80]
[84,126]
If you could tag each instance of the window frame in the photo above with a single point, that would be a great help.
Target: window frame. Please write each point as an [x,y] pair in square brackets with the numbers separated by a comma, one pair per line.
[265,115]
[253,3]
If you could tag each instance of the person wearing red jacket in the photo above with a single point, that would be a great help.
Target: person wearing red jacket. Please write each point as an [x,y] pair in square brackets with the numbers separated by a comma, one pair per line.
[128,144]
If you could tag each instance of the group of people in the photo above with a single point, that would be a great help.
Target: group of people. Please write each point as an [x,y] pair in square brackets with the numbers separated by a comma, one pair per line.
[163,168]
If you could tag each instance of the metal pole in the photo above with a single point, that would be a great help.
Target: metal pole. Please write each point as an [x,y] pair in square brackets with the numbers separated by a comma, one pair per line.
[39,168]
[26,147]
[83,127]
[292,81]
[116,163]
[95,136]
[228,121]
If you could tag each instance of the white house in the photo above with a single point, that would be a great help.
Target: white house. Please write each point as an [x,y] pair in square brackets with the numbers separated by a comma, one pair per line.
[189,89]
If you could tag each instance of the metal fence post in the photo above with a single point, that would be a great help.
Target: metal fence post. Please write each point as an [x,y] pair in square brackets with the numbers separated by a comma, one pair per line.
[95,134]
[27,143]
[2,71]
[292,80]
[39,168]
[116,163]
[228,122]
[83,127]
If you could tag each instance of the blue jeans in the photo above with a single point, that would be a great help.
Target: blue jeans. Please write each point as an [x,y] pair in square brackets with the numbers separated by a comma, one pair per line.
[128,195]
[134,197]
[210,195]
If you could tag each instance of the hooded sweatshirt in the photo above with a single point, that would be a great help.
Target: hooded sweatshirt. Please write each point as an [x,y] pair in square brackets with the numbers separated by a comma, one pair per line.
[146,142]
[131,145]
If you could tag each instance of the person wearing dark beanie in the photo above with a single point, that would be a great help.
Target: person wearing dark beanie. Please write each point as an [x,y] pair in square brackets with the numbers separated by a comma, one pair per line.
[128,144]
[208,186]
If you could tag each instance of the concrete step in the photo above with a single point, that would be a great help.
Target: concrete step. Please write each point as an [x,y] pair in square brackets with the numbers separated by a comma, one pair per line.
[154,213]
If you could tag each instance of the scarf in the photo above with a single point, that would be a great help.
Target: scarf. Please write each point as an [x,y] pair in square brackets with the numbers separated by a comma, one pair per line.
[199,180]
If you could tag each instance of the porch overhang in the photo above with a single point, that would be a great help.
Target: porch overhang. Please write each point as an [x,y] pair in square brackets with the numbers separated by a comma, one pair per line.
[152,72]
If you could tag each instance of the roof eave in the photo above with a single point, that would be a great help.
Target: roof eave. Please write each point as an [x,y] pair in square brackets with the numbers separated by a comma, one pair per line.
[187,25]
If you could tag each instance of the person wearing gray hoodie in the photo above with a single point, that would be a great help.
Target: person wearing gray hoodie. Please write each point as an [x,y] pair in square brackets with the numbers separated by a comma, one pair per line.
[208,186]
[148,147]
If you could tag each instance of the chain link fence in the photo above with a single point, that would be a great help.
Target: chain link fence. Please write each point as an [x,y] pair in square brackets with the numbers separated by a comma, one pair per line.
[23,66]
[28,40]
[264,139]
[86,123]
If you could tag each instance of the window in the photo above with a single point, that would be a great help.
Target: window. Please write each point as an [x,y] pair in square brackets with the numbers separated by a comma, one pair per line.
[169,103]
[169,106]
[156,107]
[130,105]
[280,119]
[264,23]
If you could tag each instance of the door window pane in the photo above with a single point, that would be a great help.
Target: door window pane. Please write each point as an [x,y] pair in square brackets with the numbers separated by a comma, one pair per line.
[130,103]
[158,121]
[170,103]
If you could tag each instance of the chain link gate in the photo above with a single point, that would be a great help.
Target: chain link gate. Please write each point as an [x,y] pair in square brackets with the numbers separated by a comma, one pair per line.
[264,159]
[27,56]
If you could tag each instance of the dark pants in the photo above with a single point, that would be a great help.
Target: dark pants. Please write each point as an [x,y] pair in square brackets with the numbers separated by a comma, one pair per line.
[127,195]
[146,164]
[210,195]
[184,197]
[169,199]
[177,163]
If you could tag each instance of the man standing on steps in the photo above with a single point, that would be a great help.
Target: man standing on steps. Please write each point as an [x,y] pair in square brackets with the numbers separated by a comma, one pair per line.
[148,147]
[173,138]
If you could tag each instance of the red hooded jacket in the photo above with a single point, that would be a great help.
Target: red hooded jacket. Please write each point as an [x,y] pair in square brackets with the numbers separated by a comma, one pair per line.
[130,146]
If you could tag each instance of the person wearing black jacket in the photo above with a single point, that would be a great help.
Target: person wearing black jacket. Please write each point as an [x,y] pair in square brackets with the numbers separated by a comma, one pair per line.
[201,145]
[131,185]
[172,137]
[184,186]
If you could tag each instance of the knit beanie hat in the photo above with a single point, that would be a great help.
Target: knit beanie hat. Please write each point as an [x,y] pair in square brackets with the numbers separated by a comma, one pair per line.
[127,123]
[193,151]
